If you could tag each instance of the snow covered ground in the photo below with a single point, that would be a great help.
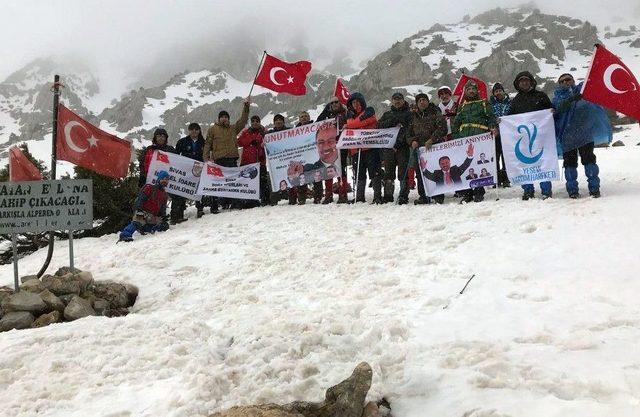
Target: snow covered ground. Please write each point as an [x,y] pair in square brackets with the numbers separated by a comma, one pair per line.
[276,304]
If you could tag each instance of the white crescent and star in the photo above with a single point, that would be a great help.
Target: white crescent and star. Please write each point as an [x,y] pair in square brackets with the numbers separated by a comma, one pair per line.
[274,71]
[67,137]
[344,94]
[608,74]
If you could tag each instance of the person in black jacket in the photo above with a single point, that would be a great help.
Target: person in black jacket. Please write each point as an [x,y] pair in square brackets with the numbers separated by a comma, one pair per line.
[397,157]
[190,146]
[527,100]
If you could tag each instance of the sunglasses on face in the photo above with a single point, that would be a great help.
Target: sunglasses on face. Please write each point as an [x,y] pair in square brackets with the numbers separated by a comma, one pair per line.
[566,80]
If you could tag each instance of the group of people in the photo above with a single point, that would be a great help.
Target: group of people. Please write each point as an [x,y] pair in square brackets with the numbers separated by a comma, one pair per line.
[422,123]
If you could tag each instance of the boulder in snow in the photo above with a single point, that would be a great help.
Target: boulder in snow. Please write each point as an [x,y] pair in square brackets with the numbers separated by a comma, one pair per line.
[132,294]
[618,143]
[27,278]
[65,284]
[32,285]
[347,399]
[24,301]
[52,302]
[114,292]
[78,308]
[46,319]
[16,320]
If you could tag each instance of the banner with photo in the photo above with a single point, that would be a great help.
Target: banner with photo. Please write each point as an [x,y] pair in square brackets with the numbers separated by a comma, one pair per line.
[458,164]
[368,138]
[184,173]
[303,155]
[529,147]
[232,182]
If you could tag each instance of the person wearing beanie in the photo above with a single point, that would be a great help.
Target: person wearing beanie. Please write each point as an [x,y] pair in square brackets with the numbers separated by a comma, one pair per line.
[580,126]
[500,103]
[527,100]
[475,116]
[448,107]
[190,146]
[150,209]
[160,143]
[251,139]
[428,126]
[396,159]
[221,146]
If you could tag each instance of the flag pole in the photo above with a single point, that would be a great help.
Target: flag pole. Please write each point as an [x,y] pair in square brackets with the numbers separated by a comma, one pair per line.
[264,53]
[54,138]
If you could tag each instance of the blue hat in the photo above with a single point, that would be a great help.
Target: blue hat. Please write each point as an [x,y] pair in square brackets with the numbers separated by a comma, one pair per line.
[162,175]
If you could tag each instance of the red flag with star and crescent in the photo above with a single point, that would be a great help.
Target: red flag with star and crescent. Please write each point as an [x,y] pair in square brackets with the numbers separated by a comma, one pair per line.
[283,77]
[458,91]
[20,168]
[341,92]
[83,144]
[611,84]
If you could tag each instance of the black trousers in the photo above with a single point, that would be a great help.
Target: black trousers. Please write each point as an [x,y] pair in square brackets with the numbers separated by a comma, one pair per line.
[225,162]
[586,156]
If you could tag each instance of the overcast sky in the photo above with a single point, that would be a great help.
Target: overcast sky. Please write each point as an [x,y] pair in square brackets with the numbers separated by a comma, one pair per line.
[135,34]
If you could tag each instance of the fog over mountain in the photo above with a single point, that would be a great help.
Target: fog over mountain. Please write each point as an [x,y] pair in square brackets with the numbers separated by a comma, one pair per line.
[136,42]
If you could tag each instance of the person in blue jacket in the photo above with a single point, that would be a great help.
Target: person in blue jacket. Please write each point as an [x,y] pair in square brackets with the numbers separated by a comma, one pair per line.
[580,126]
[190,146]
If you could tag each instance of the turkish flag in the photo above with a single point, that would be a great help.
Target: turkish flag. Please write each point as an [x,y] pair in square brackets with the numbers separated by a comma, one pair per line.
[214,170]
[283,77]
[83,144]
[20,168]
[611,84]
[341,92]
[459,90]
[162,157]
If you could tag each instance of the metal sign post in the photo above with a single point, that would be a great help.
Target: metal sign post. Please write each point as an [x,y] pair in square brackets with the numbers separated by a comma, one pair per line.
[71,265]
[14,243]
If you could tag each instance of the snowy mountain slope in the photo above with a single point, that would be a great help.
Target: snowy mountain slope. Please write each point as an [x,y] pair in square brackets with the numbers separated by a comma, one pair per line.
[276,304]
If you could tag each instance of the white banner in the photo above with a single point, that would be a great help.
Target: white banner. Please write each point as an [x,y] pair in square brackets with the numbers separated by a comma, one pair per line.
[303,155]
[233,182]
[529,147]
[184,173]
[368,138]
[458,164]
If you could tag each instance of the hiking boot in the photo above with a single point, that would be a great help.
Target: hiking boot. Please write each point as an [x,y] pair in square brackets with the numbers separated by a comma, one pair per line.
[378,200]
[342,199]
[421,200]
[574,196]
[199,214]
[546,196]
[124,239]
[466,199]
[403,200]
[478,198]
[328,200]
[595,194]
[528,195]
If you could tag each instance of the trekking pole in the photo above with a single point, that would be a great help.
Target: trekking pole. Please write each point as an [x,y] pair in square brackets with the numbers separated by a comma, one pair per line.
[355,181]
[460,293]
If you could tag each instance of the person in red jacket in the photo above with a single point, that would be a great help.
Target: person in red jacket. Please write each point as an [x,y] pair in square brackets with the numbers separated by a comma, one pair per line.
[335,110]
[364,160]
[159,142]
[150,209]
[251,139]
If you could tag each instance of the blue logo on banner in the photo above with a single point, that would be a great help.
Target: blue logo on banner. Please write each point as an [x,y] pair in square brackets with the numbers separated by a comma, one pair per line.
[532,159]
